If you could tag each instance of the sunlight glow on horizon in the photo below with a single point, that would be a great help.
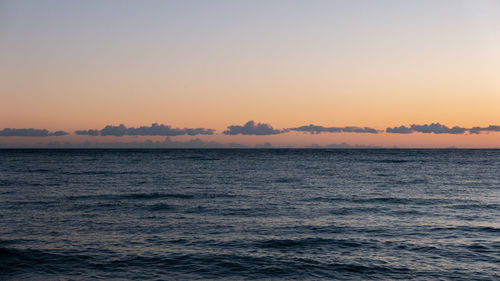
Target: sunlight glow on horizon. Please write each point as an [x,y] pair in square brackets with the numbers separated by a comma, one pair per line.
[84,65]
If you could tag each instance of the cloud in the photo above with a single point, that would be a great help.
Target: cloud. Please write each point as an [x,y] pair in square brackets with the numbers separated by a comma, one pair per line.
[252,128]
[8,132]
[154,130]
[399,130]
[478,130]
[87,132]
[313,129]
[342,145]
[260,129]
[167,143]
[437,128]
[236,145]
[434,128]
[264,145]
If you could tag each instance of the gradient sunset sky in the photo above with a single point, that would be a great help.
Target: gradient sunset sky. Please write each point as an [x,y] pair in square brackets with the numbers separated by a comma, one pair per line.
[83,65]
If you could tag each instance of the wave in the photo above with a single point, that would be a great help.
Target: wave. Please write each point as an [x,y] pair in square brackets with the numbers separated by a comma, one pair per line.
[308,242]
[288,180]
[148,196]
[198,158]
[467,228]
[132,196]
[391,161]
[16,262]
[104,173]
[389,200]
[483,206]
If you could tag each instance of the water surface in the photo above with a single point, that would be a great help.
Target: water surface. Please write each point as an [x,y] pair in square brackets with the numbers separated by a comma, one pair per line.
[250,214]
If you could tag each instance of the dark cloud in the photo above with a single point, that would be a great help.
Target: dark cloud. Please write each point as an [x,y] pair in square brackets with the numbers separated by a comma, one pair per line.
[359,130]
[478,130]
[316,129]
[437,128]
[252,128]
[434,128]
[154,130]
[313,129]
[87,132]
[399,130]
[8,132]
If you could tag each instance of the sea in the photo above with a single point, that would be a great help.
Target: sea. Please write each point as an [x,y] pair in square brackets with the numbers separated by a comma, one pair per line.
[250,214]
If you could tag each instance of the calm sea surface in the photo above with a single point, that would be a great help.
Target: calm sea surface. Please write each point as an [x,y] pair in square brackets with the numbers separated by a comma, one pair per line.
[250,214]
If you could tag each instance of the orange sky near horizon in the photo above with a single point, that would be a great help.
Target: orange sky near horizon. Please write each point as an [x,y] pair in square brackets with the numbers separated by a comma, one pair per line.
[377,64]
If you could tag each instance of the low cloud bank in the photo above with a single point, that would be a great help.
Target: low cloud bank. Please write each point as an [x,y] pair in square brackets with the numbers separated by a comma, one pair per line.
[342,145]
[478,130]
[249,128]
[264,145]
[167,143]
[9,132]
[154,130]
[252,128]
[313,129]
[436,128]
[261,129]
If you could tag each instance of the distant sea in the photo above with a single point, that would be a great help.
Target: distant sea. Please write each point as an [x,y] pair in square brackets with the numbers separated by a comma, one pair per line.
[232,214]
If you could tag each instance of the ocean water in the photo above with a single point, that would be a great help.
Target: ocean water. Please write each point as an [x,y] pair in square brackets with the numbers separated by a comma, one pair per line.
[250,214]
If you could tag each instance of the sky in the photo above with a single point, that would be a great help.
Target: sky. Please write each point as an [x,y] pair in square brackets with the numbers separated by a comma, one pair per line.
[196,69]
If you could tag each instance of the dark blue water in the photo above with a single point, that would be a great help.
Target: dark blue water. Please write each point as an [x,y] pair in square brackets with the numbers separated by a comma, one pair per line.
[250,214]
